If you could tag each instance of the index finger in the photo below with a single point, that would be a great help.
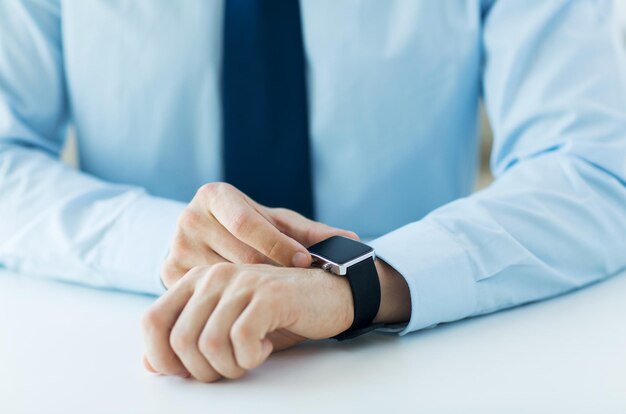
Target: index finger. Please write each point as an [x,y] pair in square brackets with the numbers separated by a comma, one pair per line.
[249,335]
[247,224]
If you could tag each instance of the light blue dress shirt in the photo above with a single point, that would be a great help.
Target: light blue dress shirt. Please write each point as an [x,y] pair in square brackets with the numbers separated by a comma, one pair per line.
[394,89]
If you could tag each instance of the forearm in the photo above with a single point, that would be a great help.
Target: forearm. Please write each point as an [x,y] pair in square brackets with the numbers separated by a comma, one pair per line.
[531,235]
[61,223]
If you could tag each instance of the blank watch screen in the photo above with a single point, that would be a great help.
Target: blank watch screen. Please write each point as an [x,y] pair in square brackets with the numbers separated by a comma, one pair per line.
[340,249]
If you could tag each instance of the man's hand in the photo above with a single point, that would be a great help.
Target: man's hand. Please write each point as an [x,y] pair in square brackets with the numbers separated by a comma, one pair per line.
[221,224]
[221,320]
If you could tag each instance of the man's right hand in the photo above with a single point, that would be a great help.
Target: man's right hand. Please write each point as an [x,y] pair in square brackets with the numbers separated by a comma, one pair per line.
[222,224]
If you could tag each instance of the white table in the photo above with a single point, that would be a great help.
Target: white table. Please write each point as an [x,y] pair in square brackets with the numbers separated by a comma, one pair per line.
[70,349]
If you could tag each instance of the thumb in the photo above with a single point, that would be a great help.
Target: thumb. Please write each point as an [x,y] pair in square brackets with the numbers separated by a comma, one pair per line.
[306,232]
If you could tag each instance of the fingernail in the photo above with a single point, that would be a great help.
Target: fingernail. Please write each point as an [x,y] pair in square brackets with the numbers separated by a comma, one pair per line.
[300,260]
[266,349]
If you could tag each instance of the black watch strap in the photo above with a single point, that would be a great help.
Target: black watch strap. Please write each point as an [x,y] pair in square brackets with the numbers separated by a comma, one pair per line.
[365,286]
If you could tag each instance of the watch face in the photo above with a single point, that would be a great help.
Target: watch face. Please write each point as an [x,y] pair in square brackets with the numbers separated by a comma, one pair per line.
[339,249]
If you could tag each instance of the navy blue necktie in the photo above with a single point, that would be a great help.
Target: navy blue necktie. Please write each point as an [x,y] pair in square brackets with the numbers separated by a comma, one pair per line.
[264,104]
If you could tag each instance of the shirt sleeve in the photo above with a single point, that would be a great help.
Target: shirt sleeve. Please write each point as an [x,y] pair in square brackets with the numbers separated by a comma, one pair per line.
[55,221]
[554,220]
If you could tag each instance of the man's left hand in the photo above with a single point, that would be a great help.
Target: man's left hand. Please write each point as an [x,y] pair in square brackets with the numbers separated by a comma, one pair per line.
[222,320]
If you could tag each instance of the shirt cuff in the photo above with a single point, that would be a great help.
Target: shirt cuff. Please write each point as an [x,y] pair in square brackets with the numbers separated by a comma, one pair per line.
[139,242]
[437,270]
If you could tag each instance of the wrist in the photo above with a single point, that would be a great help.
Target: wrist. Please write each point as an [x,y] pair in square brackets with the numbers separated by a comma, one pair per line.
[395,298]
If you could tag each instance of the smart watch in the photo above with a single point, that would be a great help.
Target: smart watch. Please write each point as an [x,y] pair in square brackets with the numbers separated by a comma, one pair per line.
[355,261]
